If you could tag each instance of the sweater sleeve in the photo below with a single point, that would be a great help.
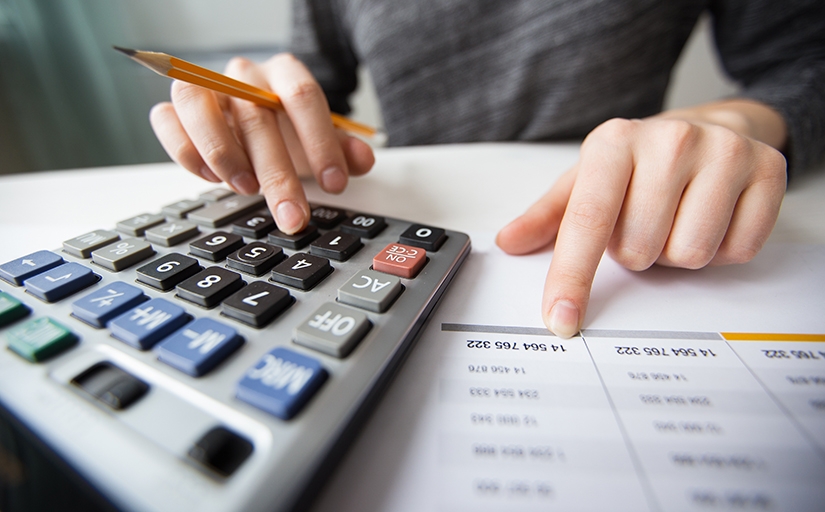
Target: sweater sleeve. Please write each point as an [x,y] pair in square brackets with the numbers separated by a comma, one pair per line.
[776,50]
[320,41]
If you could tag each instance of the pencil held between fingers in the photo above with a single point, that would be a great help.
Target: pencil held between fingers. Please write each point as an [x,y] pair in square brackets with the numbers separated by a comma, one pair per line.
[254,148]
[649,191]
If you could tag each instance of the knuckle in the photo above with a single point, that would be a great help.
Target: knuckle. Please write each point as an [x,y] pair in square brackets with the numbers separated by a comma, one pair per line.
[612,130]
[302,92]
[218,154]
[741,252]
[252,119]
[633,255]
[276,180]
[732,148]
[681,136]
[185,153]
[773,168]
[591,216]
[283,58]
[238,65]
[692,257]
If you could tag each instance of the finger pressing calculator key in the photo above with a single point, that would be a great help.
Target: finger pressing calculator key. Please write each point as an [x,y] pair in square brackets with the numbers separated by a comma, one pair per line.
[206,348]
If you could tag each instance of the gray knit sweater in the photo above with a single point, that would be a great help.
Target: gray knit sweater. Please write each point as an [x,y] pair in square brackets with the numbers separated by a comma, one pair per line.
[533,70]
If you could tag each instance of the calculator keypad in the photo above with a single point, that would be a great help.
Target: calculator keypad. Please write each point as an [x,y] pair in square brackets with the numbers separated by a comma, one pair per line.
[83,245]
[167,271]
[265,316]
[256,225]
[123,254]
[302,271]
[172,233]
[60,282]
[40,338]
[333,329]
[148,323]
[17,271]
[256,258]
[216,246]
[104,304]
[336,245]
[199,346]
[210,286]
[297,241]
[257,303]
[281,382]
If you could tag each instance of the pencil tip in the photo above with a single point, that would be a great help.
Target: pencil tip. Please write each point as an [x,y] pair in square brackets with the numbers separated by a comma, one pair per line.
[130,53]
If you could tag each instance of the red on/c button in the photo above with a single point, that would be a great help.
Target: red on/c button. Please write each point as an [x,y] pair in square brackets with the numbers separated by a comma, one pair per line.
[400,260]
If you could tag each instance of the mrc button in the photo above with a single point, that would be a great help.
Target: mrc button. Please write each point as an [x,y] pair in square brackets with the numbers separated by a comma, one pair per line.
[281,382]
[426,237]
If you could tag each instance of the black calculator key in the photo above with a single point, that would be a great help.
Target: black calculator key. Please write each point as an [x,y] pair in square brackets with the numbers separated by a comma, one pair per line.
[257,303]
[216,246]
[221,450]
[297,241]
[302,271]
[363,225]
[111,385]
[326,217]
[210,286]
[166,272]
[426,237]
[256,258]
[336,245]
[254,226]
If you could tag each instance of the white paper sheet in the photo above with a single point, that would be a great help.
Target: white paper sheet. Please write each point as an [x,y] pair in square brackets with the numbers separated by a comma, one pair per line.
[651,410]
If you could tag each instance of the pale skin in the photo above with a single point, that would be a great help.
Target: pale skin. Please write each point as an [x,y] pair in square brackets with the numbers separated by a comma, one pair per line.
[686,188]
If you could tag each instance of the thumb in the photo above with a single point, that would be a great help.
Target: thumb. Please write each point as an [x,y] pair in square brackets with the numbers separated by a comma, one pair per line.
[538,226]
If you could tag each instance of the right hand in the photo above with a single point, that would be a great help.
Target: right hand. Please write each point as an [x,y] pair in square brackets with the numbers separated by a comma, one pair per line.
[253,148]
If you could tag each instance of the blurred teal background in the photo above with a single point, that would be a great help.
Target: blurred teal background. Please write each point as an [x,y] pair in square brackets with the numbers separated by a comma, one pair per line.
[67,99]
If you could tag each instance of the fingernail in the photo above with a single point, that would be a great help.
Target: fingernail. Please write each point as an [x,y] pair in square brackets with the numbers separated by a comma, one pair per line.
[334,179]
[245,183]
[289,217]
[563,319]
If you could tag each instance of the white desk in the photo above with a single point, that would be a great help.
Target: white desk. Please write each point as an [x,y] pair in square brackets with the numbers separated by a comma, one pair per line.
[468,187]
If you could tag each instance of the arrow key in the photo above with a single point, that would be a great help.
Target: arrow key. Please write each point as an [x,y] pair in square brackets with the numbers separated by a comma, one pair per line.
[257,304]
[17,271]
[60,282]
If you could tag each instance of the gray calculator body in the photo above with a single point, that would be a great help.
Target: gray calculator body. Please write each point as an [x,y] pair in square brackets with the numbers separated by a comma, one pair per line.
[141,457]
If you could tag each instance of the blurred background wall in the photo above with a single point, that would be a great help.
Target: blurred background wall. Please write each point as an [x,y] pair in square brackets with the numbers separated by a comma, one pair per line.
[68,100]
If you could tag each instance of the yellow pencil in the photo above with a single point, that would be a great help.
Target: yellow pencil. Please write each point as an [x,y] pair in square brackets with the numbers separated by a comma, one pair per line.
[173,67]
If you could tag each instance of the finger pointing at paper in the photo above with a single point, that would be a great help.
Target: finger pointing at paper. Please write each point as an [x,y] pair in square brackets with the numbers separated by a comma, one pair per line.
[687,189]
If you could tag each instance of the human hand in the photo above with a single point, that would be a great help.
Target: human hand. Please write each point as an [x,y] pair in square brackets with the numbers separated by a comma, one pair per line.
[668,191]
[249,147]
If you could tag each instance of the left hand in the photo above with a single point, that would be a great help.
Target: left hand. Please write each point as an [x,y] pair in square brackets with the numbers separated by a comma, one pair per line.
[677,190]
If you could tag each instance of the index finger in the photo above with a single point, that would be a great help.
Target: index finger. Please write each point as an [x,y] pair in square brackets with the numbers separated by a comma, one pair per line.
[306,105]
[605,168]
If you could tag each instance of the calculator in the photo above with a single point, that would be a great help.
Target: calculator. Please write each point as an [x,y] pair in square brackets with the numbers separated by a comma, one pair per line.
[198,358]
